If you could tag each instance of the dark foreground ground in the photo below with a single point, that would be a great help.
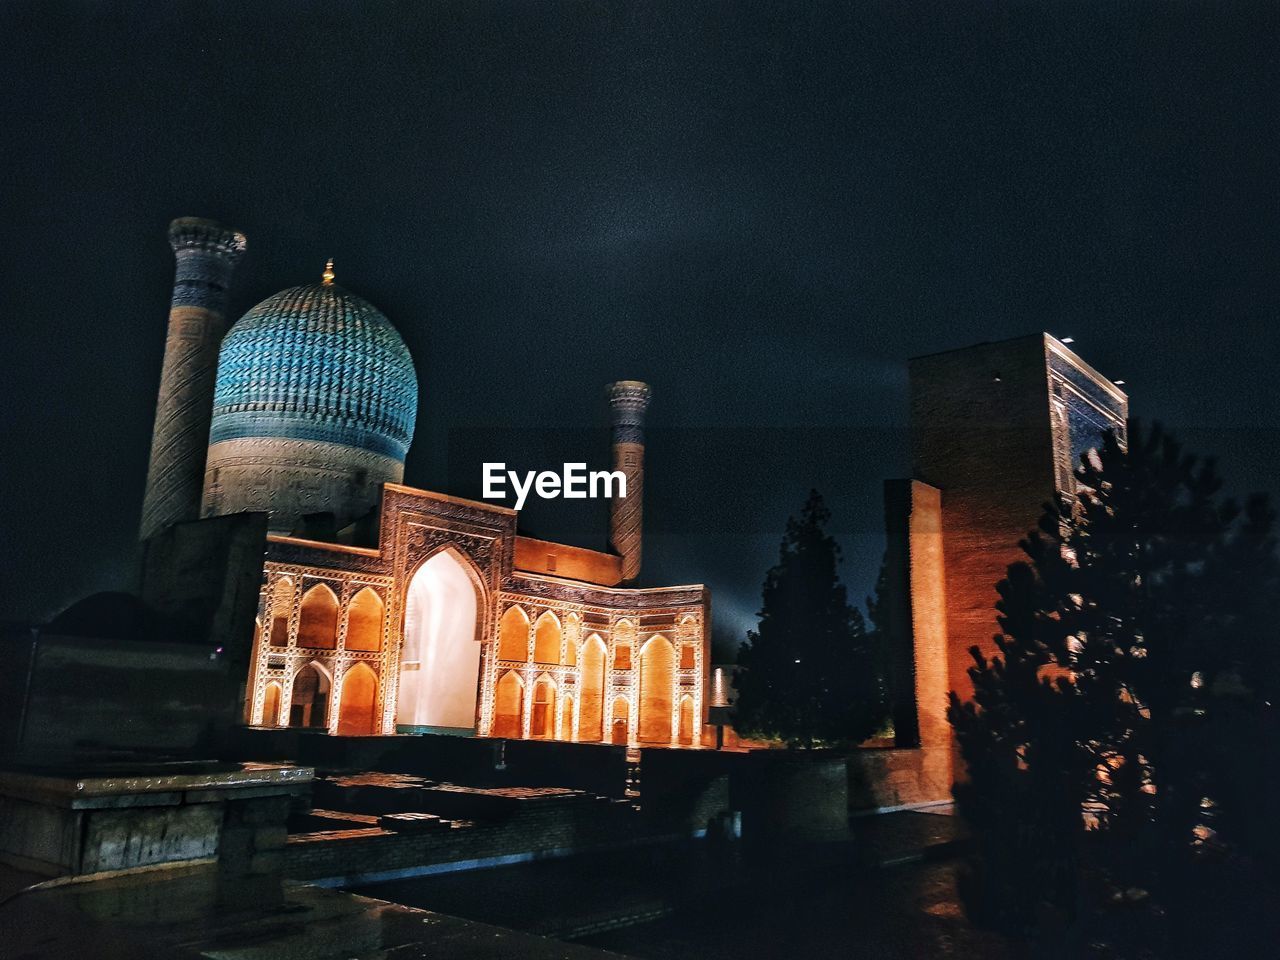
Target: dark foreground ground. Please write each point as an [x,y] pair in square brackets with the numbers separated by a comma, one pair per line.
[889,893]
[910,912]
[183,915]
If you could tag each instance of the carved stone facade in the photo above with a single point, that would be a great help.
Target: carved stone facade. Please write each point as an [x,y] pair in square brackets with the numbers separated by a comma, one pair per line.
[549,657]
[637,629]
[304,412]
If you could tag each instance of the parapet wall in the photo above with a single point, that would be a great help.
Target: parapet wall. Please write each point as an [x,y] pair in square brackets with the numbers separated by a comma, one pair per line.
[596,768]
[368,855]
[881,779]
[86,694]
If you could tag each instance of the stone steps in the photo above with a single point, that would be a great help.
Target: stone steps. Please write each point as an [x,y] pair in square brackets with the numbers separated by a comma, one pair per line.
[415,822]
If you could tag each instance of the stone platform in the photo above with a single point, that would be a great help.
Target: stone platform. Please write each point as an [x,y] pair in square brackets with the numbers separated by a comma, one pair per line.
[95,818]
[377,826]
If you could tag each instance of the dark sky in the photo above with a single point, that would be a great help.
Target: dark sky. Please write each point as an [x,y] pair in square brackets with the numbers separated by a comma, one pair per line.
[762,209]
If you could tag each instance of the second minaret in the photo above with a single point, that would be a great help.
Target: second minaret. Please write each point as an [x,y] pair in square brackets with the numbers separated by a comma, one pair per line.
[628,401]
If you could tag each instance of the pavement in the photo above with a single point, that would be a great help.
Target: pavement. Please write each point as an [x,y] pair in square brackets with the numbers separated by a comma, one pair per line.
[908,836]
[641,894]
[181,913]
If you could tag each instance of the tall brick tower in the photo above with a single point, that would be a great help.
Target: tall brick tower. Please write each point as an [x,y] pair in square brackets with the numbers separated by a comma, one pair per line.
[206,255]
[997,430]
[628,401]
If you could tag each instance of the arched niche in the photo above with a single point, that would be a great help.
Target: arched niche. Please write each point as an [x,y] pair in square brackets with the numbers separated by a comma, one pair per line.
[271,704]
[278,611]
[513,635]
[357,715]
[657,681]
[573,639]
[687,731]
[318,618]
[619,721]
[546,639]
[440,657]
[624,637]
[542,725]
[309,706]
[591,681]
[365,615]
[508,706]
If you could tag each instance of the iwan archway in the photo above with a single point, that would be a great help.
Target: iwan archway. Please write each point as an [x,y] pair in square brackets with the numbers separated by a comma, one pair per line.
[440,658]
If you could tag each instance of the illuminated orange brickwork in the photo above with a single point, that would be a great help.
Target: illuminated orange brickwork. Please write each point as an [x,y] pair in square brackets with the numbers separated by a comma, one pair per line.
[303,414]
[357,715]
[996,429]
[443,629]
[574,563]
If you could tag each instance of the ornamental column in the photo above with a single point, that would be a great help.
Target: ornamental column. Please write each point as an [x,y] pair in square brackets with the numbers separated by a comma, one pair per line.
[628,401]
[206,255]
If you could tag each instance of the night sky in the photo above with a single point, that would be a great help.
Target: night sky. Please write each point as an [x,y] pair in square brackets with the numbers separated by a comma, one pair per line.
[762,209]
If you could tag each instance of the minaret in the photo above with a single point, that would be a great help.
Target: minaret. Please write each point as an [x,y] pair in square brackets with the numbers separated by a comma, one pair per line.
[628,400]
[206,254]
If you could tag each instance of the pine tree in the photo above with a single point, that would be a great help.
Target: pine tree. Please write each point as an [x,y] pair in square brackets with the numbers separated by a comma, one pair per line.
[807,676]
[1112,734]
[1015,739]
[880,643]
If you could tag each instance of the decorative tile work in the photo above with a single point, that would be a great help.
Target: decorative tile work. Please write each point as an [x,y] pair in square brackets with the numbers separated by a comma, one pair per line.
[313,408]
[317,363]
[628,401]
[206,255]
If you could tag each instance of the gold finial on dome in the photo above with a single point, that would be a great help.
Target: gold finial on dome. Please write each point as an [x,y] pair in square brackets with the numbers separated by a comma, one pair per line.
[327,276]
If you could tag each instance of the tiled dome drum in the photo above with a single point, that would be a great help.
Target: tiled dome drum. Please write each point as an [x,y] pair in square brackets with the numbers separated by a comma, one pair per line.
[313,409]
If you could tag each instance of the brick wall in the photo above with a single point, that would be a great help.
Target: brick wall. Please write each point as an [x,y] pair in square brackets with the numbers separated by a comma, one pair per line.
[898,778]
[981,432]
[597,768]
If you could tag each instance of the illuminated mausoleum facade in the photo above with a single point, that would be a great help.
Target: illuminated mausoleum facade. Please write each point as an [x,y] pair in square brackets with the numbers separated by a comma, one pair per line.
[449,621]
[456,626]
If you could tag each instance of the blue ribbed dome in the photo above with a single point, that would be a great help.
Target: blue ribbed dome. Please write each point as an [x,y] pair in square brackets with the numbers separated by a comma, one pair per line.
[316,363]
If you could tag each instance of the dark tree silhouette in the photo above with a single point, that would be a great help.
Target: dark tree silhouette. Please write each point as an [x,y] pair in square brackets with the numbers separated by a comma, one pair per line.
[880,640]
[807,676]
[1117,746]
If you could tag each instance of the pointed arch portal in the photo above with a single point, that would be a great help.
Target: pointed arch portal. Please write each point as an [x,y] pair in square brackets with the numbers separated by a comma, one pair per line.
[657,676]
[318,618]
[309,706]
[619,726]
[440,659]
[546,639]
[508,706]
[364,621]
[542,723]
[271,704]
[686,732]
[513,635]
[357,715]
[591,683]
